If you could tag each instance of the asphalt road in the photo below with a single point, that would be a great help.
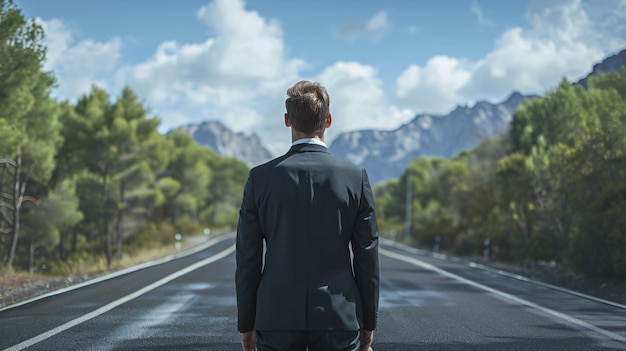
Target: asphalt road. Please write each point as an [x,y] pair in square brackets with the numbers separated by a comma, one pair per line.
[427,303]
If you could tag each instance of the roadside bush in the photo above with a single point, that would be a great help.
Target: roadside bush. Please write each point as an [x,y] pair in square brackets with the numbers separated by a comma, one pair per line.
[589,254]
[465,245]
[150,235]
[189,228]
[542,245]
[81,263]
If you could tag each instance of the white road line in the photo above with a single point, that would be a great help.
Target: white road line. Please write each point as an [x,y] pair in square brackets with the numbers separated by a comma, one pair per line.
[500,272]
[510,297]
[41,337]
[125,271]
[545,285]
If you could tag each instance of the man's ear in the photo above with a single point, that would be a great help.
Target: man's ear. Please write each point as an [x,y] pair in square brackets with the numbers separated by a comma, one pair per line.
[329,121]
[287,121]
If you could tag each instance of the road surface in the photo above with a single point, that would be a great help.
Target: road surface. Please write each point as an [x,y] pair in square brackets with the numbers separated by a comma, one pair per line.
[427,303]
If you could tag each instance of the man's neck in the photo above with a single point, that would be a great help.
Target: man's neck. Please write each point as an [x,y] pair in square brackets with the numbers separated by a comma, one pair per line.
[297,136]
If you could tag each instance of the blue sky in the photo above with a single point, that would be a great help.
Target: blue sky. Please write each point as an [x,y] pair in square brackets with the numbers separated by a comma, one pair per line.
[383,62]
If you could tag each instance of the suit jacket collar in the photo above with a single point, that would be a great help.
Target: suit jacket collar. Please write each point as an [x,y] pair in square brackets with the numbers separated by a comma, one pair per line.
[307,148]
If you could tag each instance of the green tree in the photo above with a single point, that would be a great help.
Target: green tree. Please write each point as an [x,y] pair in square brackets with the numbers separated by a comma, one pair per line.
[28,119]
[121,145]
[130,167]
[516,197]
[225,189]
[188,167]
[153,187]
[94,149]
[49,222]
[551,117]
[574,149]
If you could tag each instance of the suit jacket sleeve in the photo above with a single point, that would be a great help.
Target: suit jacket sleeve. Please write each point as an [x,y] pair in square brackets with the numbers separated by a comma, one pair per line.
[365,248]
[249,256]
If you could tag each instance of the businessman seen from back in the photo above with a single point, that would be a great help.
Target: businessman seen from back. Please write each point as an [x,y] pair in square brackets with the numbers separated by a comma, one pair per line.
[316,285]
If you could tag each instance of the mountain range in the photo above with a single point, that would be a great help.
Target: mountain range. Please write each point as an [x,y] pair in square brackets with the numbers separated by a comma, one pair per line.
[386,153]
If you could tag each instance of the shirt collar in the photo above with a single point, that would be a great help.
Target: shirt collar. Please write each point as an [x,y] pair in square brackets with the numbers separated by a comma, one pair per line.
[309,141]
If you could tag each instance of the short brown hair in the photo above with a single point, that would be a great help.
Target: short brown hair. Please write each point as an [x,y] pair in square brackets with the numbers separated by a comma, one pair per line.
[308,106]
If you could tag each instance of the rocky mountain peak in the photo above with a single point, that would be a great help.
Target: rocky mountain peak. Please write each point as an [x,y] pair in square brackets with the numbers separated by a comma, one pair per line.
[610,64]
[225,142]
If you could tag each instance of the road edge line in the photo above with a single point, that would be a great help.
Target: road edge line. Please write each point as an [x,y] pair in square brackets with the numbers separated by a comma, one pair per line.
[502,294]
[111,305]
[502,272]
[124,271]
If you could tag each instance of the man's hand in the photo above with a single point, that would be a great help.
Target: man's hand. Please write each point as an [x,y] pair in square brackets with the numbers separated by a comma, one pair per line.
[366,337]
[248,341]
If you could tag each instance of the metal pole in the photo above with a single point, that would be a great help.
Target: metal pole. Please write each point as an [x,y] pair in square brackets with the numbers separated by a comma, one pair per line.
[409,203]
[486,250]
[437,243]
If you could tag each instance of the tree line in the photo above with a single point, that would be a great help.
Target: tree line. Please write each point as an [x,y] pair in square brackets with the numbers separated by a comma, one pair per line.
[93,179]
[552,190]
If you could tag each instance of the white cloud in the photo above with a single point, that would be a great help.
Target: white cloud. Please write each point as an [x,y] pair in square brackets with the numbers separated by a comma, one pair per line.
[561,41]
[480,15]
[246,51]
[378,22]
[246,47]
[373,28]
[433,87]
[358,100]
[77,64]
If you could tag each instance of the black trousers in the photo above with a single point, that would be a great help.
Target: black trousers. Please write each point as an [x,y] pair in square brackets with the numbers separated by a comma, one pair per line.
[328,340]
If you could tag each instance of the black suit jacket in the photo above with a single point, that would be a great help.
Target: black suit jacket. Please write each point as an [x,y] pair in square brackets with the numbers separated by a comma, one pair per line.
[308,206]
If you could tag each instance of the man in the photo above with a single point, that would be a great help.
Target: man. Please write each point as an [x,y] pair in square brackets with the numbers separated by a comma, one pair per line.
[313,210]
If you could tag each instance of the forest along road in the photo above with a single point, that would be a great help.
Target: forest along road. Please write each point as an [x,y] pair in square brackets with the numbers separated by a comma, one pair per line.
[426,303]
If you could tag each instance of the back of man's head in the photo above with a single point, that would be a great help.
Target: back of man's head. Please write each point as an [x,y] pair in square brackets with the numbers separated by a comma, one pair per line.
[308,106]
